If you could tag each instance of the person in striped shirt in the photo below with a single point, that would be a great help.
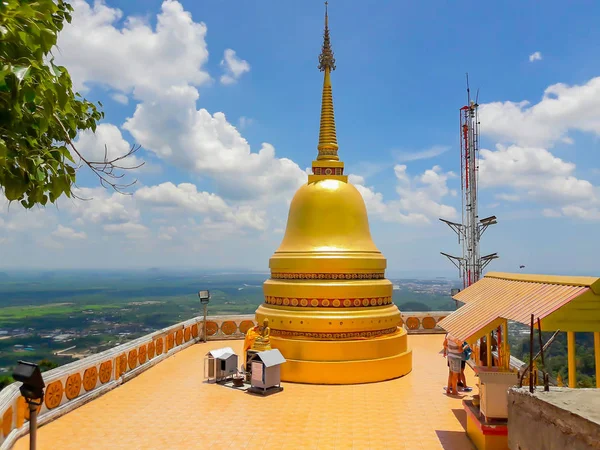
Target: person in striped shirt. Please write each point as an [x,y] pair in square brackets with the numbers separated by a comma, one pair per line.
[453,350]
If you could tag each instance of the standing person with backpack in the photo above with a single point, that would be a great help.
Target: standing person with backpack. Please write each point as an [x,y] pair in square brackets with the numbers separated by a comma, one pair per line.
[466,355]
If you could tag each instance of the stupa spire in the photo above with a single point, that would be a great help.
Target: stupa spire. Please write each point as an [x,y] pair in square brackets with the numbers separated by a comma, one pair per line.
[328,146]
[328,301]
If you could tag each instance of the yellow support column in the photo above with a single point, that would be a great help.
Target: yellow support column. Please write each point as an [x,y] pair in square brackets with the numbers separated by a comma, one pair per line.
[505,346]
[572,359]
[597,356]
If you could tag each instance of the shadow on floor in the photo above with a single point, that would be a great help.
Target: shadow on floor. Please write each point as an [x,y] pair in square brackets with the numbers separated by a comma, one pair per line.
[461,416]
[454,440]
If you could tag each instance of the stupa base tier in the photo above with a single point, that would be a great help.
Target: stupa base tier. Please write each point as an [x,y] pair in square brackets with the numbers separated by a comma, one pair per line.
[345,361]
[329,324]
[342,349]
[347,372]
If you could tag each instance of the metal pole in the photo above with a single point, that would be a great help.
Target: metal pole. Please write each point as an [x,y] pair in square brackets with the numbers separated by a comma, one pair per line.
[32,425]
[205,307]
[531,356]
[544,373]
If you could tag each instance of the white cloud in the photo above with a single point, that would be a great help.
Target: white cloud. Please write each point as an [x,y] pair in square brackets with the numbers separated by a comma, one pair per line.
[580,212]
[162,66]
[536,56]
[131,229]
[63,232]
[435,181]
[209,145]
[244,122]
[107,142]
[548,212]
[523,162]
[373,200]
[233,66]
[14,218]
[120,98]
[185,197]
[561,109]
[356,179]
[49,243]
[507,197]
[420,198]
[589,214]
[135,57]
[167,66]
[432,152]
[159,69]
[534,172]
[165,214]
[167,233]
[101,207]
[424,193]
[369,169]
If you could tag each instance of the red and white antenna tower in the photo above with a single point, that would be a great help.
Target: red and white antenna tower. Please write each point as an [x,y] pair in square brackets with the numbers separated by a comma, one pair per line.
[470,265]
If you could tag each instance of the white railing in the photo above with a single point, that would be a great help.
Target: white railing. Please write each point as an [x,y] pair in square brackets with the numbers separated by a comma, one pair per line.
[423,322]
[76,383]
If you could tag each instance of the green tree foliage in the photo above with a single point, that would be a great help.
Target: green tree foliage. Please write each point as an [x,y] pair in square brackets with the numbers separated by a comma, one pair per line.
[46,364]
[5,381]
[413,306]
[40,114]
[556,356]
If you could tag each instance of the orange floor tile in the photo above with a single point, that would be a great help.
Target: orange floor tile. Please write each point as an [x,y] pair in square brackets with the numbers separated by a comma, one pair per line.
[170,407]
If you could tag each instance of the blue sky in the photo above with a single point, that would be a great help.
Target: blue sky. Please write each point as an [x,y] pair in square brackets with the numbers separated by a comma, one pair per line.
[399,84]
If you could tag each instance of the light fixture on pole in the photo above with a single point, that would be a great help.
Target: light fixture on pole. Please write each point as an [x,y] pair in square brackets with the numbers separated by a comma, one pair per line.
[32,389]
[204,299]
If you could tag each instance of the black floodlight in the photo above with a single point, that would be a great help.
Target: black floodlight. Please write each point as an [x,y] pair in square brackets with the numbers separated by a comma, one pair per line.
[204,297]
[30,375]
[492,220]
[454,291]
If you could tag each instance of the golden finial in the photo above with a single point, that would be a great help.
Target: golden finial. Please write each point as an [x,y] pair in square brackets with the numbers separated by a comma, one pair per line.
[328,146]
[326,59]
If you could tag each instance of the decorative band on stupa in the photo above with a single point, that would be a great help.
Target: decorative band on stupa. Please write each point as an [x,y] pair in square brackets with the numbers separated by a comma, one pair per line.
[329,302]
[327,276]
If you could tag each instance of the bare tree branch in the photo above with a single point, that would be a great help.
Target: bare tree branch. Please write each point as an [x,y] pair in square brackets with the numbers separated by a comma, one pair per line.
[104,170]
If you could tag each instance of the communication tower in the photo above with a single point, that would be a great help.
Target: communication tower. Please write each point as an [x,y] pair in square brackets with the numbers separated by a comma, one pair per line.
[470,265]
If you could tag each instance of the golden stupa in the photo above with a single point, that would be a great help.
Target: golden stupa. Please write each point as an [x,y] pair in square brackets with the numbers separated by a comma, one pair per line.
[329,305]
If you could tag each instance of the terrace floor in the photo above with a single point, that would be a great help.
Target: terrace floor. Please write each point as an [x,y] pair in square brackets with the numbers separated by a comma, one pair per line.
[171,407]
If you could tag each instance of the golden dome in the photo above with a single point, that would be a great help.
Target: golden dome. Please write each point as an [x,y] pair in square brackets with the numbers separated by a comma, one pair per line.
[327,216]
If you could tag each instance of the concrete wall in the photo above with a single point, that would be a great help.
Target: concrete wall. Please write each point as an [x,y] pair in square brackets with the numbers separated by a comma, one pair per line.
[557,420]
